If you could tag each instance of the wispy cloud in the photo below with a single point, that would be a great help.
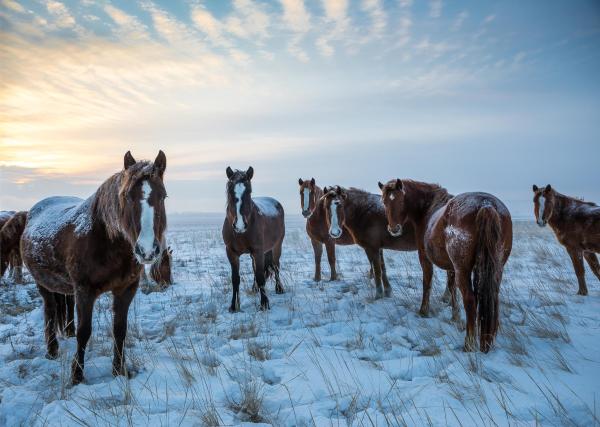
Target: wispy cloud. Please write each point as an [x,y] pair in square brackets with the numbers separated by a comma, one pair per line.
[435,8]
[297,19]
[459,21]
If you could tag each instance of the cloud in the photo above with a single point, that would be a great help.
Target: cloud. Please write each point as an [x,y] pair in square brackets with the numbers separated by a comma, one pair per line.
[435,8]
[248,21]
[374,8]
[337,22]
[297,19]
[460,19]
[62,16]
[128,26]
[13,5]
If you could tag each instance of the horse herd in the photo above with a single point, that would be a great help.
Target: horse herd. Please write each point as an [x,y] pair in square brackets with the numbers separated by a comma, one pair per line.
[78,249]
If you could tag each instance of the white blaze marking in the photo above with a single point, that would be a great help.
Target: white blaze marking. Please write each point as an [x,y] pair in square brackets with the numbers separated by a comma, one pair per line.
[392,197]
[306,205]
[239,190]
[542,203]
[335,227]
[146,238]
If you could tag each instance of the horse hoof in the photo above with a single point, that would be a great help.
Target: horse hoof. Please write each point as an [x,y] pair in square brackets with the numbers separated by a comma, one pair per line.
[279,291]
[317,278]
[264,305]
[424,312]
[76,378]
[582,292]
[333,278]
[51,355]
[388,293]
[234,310]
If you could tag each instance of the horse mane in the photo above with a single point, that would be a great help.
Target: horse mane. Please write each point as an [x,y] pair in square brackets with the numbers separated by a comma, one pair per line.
[108,200]
[430,196]
[368,202]
[576,200]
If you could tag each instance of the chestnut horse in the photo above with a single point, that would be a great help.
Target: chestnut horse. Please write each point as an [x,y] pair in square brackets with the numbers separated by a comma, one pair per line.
[88,247]
[11,228]
[313,210]
[466,235]
[576,225]
[255,226]
[363,216]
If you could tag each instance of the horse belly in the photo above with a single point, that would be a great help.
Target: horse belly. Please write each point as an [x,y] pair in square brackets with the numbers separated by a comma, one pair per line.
[46,267]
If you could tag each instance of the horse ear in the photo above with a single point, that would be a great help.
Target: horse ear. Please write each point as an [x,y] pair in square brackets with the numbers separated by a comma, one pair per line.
[343,194]
[547,189]
[250,173]
[312,182]
[325,190]
[160,163]
[399,184]
[128,160]
[229,172]
[380,185]
[300,181]
[535,188]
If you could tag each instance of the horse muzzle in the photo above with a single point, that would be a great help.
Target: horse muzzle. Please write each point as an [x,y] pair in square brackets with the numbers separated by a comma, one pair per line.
[336,234]
[542,222]
[306,214]
[145,256]
[395,231]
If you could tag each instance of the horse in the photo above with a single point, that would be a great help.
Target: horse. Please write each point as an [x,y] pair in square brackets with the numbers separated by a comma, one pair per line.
[576,225]
[362,215]
[160,270]
[10,254]
[316,227]
[11,227]
[88,247]
[468,235]
[253,225]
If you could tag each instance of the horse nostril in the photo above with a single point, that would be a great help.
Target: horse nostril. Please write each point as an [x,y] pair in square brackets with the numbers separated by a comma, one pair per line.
[156,250]
[138,250]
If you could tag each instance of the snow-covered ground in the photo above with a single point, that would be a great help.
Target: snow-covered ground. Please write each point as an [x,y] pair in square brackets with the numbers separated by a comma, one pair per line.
[326,353]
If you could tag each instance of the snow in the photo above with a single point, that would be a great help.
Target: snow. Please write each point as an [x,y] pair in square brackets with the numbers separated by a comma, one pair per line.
[267,206]
[49,216]
[325,354]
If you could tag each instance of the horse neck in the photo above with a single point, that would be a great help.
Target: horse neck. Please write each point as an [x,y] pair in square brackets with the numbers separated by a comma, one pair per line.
[559,210]
[424,200]
[106,207]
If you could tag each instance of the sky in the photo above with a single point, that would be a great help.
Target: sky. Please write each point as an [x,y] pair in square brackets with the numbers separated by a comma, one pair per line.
[474,95]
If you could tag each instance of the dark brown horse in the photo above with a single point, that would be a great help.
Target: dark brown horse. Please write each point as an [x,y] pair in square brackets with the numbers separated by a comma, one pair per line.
[362,215]
[88,247]
[466,235]
[255,226]
[313,210]
[576,225]
[11,228]
[10,249]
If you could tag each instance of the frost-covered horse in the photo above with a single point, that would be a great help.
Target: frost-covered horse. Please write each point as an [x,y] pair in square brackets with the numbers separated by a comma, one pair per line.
[361,214]
[88,247]
[576,225]
[255,226]
[11,228]
[466,235]
[313,210]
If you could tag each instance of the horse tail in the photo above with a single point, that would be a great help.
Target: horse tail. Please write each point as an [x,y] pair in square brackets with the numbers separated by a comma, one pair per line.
[488,274]
[10,241]
[269,264]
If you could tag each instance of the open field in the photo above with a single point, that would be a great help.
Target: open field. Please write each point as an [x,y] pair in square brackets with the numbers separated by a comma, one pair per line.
[325,354]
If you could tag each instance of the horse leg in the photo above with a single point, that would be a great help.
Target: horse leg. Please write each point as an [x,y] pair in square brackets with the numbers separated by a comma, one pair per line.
[330,247]
[451,290]
[375,260]
[592,261]
[387,288]
[259,276]
[49,322]
[84,302]
[276,257]
[427,268]
[121,302]
[463,281]
[318,251]
[234,261]
[59,300]
[70,316]
[577,259]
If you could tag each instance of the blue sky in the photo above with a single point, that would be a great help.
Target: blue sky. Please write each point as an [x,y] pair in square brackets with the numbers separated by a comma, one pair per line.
[476,95]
